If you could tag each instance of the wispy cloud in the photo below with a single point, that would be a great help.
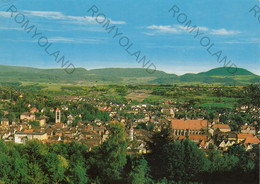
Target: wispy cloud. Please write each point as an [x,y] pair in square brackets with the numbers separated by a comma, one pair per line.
[223,31]
[54,15]
[163,29]
[244,41]
[177,29]
[60,16]
[185,28]
[4,14]
[63,40]
[75,40]
[10,28]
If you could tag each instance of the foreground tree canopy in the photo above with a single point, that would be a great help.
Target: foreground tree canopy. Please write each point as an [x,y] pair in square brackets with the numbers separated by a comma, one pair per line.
[168,162]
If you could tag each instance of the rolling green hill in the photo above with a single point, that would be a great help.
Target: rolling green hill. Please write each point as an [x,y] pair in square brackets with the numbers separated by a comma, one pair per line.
[11,74]
[223,72]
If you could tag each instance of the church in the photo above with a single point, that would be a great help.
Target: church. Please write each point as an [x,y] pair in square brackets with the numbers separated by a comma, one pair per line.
[187,127]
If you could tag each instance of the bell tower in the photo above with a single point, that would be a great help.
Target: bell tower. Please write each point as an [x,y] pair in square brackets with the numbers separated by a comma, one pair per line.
[58,116]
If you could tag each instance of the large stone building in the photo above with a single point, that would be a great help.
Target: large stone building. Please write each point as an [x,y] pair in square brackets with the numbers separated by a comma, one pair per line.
[27,116]
[182,127]
[23,137]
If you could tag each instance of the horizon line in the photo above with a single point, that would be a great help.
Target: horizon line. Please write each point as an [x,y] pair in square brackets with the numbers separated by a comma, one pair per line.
[43,68]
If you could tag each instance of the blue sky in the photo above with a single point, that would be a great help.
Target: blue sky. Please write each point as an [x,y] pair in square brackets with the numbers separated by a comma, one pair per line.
[146,23]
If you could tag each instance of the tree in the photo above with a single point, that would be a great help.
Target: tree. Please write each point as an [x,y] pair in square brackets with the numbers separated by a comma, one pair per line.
[140,172]
[55,167]
[156,158]
[78,174]
[245,163]
[184,161]
[108,161]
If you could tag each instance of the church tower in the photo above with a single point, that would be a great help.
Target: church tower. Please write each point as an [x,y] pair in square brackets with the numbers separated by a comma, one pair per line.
[131,133]
[58,116]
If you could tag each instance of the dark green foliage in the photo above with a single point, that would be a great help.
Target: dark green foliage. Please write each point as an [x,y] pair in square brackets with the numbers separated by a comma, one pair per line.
[184,161]
[91,113]
[35,123]
[139,173]
[108,161]
[176,162]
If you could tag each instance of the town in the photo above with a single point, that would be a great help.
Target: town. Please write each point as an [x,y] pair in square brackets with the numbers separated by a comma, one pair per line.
[66,122]
[84,115]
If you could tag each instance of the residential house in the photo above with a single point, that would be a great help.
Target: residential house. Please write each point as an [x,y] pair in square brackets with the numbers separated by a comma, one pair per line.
[70,119]
[232,136]
[250,142]
[141,148]
[42,121]
[5,122]
[168,111]
[65,107]
[242,136]
[225,144]
[34,110]
[198,138]
[221,127]
[27,116]
[247,129]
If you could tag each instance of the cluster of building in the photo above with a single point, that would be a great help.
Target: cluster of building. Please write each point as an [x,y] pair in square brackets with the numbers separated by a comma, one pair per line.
[22,131]
[205,134]
[218,136]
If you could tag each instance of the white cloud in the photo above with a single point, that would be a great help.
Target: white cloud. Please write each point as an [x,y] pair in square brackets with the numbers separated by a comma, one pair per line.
[203,28]
[244,41]
[5,14]
[90,40]
[175,29]
[60,16]
[223,31]
[45,14]
[163,29]
[117,22]
[74,40]
[10,28]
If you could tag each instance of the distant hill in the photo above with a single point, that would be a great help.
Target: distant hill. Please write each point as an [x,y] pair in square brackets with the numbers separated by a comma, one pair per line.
[224,72]
[217,75]
[11,74]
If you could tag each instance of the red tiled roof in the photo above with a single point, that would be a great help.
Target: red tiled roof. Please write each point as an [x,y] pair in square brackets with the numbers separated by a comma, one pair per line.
[221,126]
[244,135]
[181,137]
[30,130]
[198,137]
[181,124]
[34,109]
[251,140]
[203,144]
[244,127]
